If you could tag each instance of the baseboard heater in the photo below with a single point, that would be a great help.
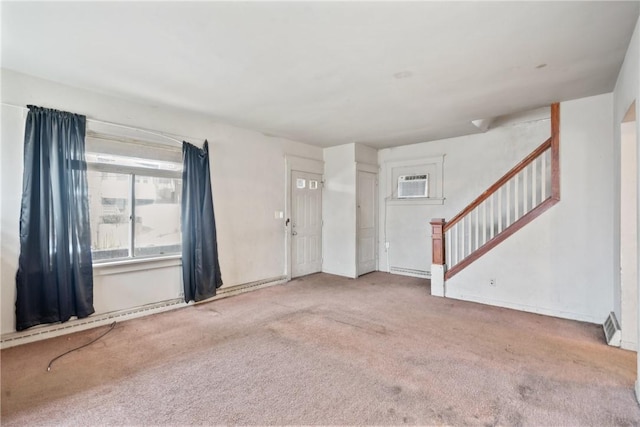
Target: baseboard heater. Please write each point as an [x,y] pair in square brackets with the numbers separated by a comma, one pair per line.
[612,330]
[38,333]
[410,272]
[246,287]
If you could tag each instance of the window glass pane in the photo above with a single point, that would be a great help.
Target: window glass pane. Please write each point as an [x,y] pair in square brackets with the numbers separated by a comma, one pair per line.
[115,160]
[157,208]
[109,210]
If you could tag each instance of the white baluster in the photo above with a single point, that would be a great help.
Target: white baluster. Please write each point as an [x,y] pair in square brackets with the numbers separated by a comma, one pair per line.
[492,215]
[534,181]
[451,260]
[465,234]
[469,234]
[457,253]
[477,230]
[469,241]
[516,199]
[543,178]
[447,246]
[549,172]
[461,239]
[525,189]
[508,203]
[484,221]
[499,211]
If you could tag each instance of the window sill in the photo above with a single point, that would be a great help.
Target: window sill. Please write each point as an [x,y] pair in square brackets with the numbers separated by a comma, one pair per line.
[416,201]
[135,264]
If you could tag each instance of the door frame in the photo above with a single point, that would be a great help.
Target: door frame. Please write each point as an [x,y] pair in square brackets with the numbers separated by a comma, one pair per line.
[374,169]
[299,164]
[627,282]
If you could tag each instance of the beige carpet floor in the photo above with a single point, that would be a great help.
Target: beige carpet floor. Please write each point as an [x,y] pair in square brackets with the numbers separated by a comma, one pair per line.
[327,350]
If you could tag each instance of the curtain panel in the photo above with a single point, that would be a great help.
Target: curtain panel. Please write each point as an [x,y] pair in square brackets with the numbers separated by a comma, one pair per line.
[200,265]
[55,275]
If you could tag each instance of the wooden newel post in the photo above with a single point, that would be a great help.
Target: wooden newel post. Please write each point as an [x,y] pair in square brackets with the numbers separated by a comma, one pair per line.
[437,257]
[437,239]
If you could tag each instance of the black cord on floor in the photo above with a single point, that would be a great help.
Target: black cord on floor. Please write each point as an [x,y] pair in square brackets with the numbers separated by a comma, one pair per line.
[113,325]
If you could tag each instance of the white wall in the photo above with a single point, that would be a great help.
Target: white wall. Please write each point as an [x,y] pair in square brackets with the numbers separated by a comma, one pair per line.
[10,191]
[339,211]
[471,164]
[365,154]
[248,179]
[561,263]
[339,200]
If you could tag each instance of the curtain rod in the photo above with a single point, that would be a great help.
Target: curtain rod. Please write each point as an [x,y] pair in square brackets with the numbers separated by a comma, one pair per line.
[150,132]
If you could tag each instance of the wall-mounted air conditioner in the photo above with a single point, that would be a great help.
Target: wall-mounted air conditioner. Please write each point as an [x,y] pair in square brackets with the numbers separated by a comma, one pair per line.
[410,186]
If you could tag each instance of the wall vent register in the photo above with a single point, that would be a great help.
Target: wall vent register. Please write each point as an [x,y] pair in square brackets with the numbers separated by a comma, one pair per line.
[411,186]
[612,330]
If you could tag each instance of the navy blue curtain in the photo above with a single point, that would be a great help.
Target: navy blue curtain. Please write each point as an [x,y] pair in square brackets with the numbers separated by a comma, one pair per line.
[55,275]
[200,265]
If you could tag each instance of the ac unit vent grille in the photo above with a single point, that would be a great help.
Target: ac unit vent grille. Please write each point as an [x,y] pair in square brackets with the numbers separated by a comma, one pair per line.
[413,186]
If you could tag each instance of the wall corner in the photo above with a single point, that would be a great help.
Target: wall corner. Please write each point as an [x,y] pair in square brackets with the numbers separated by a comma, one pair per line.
[437,280]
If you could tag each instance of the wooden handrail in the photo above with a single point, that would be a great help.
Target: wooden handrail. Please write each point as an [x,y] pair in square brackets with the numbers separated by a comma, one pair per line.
[555,151]
[521,222]
[440,227]
[499,183]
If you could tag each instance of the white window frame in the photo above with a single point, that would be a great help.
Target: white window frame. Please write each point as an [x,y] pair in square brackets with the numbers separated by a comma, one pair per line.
[99,144]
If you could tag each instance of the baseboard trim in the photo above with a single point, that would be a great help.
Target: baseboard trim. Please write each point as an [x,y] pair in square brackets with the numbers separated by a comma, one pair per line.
[523,307]
[38,333]
[246,287]
[42,332]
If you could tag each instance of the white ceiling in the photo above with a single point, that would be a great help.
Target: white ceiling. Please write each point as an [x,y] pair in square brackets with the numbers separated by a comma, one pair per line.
[328,73]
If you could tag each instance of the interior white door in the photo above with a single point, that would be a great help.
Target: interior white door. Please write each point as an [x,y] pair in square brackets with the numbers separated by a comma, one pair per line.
[366,198]
[306,223]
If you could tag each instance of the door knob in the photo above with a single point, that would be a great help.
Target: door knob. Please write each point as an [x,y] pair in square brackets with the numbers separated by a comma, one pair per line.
[294,233]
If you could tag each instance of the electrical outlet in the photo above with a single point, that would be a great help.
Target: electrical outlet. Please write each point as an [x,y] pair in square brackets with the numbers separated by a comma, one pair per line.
[492,282]
[386,245]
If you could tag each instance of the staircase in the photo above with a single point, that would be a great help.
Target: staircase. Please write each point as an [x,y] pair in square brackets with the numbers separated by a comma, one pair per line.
[516,199]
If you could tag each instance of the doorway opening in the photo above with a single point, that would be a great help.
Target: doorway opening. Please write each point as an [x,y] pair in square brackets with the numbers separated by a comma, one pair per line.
[629,230]
[366,221]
